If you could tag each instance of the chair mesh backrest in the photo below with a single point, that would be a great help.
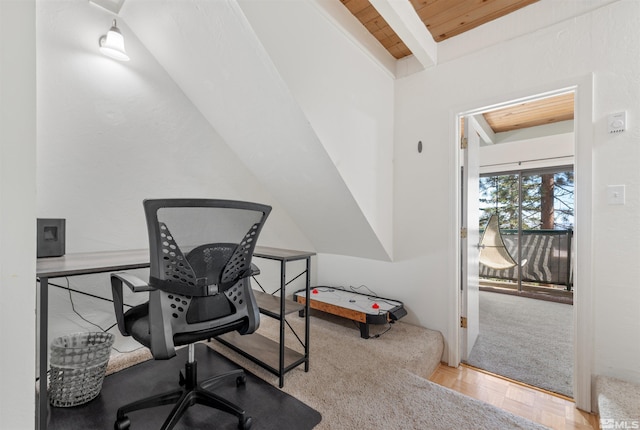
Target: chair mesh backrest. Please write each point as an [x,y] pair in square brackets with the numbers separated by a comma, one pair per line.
[197,243]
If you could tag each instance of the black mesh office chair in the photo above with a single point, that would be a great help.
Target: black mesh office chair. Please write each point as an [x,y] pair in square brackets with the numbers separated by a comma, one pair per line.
[198,288]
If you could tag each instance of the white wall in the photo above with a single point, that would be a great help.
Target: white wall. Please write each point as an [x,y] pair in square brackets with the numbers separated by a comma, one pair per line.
[211,51]
[517,24]
[17,213]
[605,42]
[346,95]
[528,153]
[111,134]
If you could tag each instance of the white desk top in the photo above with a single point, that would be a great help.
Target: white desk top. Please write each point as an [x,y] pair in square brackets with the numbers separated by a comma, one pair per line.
[84,263]
[91,262]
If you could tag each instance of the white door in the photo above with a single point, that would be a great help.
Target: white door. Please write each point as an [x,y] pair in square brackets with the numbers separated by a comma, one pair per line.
[470,237]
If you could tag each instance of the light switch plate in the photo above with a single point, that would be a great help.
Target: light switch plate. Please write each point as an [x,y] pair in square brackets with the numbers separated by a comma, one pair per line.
[615,194]
[617,122]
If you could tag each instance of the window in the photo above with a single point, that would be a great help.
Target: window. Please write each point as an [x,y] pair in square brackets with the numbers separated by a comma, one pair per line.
[536,209]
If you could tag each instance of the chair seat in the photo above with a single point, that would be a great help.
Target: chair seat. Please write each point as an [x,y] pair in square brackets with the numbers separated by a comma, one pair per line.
[136,322]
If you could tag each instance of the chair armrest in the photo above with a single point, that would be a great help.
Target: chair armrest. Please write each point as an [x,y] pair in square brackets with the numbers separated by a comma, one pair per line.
[255,270]
[135,284]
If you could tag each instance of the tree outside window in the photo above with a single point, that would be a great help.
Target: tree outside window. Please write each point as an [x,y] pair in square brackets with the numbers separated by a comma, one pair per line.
[547,199]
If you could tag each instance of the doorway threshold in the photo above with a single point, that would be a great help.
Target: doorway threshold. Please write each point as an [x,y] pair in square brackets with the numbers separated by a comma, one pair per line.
[551,295]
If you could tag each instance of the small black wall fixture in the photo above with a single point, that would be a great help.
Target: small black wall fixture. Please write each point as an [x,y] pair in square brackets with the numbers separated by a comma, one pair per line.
[419,147]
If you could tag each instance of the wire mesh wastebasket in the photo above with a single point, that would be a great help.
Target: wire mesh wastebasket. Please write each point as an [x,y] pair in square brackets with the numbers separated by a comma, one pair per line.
[78,364]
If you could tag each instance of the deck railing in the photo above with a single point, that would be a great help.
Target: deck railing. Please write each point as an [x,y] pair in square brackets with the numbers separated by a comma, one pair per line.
[548,255]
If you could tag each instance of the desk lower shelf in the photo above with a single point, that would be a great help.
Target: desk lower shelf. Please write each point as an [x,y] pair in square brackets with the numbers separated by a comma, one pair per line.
[271,355]
[270,305]
[263,351]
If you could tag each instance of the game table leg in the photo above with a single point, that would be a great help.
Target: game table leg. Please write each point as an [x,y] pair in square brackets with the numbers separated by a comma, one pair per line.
[364,330]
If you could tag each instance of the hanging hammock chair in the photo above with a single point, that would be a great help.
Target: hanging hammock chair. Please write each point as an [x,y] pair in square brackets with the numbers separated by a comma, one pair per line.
[493,252]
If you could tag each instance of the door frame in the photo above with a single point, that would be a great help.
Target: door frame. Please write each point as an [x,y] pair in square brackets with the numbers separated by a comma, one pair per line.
[469,242]
[583,274]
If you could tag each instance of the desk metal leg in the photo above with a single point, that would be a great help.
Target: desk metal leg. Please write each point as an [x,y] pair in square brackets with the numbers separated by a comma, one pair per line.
[43,401]
[283,291]
[307,331]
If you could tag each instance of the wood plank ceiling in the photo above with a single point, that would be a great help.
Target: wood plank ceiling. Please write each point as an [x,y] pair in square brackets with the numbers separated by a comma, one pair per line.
[448,18]
[531,114]
[443,18]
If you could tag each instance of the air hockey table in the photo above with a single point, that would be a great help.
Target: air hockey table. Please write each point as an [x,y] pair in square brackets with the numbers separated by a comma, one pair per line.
[361,308]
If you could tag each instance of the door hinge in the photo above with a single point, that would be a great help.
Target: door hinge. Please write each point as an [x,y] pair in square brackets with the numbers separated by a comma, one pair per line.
[463,233]
[464,143]
[463,322]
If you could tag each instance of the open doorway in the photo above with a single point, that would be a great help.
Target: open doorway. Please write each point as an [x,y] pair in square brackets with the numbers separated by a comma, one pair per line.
[513,183]
[525,307]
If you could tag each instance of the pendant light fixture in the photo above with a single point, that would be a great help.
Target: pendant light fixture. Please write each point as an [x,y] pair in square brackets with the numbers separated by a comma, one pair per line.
[112,44]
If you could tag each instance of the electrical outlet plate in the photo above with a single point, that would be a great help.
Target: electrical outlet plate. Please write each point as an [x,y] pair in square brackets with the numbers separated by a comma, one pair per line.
[617,122]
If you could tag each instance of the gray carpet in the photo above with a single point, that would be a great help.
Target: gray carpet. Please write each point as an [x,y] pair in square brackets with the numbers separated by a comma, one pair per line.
[527,340]
[618,403]
[360,383]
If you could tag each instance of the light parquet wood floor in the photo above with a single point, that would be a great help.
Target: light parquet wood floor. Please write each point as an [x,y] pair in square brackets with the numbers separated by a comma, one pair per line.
[553,411]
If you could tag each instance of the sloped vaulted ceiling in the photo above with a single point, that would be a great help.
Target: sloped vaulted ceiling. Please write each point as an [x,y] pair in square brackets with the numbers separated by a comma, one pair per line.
[211,52]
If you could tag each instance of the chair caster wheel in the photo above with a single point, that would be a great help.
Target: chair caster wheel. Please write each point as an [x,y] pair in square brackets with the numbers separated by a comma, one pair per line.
[122,424]
[245,424]
[241,380]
